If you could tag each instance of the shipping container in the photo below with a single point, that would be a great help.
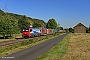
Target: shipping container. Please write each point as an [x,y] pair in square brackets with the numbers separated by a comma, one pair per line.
[53,31]
[64,31]
[60,31]
[43,31]
[35,32]
[49,31]
[56,31]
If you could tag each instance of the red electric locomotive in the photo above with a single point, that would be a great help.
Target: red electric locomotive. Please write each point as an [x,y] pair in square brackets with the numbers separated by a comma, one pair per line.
[26,32]
[31,32]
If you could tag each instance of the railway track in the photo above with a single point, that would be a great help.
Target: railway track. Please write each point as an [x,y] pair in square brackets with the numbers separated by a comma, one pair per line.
[12,42]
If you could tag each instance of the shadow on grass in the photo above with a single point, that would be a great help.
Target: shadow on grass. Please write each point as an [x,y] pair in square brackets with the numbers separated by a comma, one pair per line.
[6,37]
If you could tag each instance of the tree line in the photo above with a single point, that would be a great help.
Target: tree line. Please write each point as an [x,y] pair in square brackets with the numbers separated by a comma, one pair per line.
[11,23]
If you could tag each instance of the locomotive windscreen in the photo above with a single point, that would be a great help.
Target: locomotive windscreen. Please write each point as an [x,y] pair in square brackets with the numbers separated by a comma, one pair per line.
[25,29]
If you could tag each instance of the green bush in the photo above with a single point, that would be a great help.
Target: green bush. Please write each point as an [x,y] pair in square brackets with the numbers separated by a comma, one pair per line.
[27,42]
[2,50]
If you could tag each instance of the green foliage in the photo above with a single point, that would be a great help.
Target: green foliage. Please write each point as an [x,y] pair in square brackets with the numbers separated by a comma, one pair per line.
[23,22]
[67,30]
[2,50]
[89,29]
[51,24]
[59,28]
[38,23]
[71,29]
[13,23]
[2,13]
[27,42]
[8,25]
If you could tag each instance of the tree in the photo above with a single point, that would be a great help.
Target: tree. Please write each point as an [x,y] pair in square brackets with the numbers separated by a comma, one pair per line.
[51,24]
[35,24]
[38,23]
[70,29]
[23,22]
[8,26]
[66,29]
[89,29]
[59,28]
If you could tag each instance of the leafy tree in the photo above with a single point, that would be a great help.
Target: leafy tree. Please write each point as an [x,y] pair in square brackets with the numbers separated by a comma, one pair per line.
[66,29]
[59,28]
[23,22]
[70,29]
[52,24]
[2,13]
[8,26]
[89,29]
[35,24]
[38,23]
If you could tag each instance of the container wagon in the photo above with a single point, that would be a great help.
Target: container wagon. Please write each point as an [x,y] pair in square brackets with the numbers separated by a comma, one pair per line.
[62,31]
[35,32]
[49,31]
[53,31]
[43,31]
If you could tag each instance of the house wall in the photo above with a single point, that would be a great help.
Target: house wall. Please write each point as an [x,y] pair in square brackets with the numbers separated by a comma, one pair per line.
[79,29]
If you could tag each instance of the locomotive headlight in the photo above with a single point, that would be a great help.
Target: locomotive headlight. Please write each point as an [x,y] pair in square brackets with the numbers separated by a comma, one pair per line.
[26,30]
[23,29]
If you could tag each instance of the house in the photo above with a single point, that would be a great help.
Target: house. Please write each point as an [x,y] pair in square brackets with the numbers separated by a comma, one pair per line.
[80,28]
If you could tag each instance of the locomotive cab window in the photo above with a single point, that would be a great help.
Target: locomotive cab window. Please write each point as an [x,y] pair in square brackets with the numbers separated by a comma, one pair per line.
[30,30]
[25,29]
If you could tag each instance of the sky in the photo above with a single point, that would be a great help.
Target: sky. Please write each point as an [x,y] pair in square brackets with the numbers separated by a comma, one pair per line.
[67,13]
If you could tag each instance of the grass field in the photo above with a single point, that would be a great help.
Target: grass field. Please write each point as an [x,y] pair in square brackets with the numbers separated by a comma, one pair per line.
[75,46]
[78,48]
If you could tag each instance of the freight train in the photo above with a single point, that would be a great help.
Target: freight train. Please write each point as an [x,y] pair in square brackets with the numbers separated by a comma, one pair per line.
[32,32]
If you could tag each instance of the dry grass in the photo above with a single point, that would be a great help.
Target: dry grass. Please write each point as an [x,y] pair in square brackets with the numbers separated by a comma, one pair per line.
[2,40]
[78,48]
